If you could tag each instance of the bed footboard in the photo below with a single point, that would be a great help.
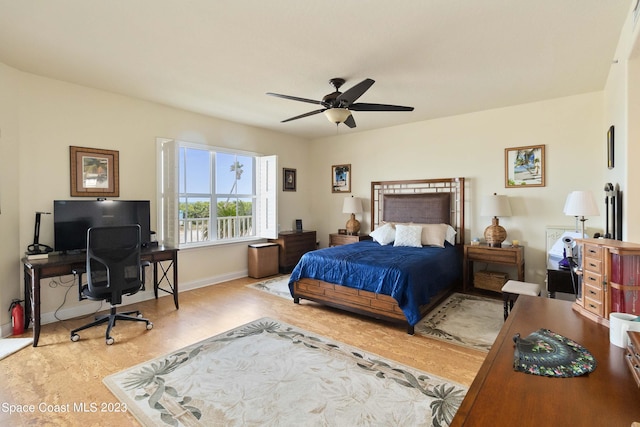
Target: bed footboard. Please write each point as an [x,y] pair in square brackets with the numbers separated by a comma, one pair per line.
[358,301]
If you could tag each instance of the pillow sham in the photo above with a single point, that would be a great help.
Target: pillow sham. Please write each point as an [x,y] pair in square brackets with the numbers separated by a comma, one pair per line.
[384,235]
[408,235]
[433,234]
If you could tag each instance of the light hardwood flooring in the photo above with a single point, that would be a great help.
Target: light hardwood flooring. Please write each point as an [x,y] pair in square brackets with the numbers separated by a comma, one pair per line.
[59,374]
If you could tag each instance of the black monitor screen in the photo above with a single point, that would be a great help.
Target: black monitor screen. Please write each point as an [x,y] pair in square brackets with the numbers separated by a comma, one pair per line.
[72,219]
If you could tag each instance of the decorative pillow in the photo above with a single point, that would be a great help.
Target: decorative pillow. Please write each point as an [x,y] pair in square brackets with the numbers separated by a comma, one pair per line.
[433,234]
[451,234]
[384,235]
[408,235]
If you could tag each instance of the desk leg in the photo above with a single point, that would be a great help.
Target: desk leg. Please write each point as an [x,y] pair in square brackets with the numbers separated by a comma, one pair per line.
[173,284]
[32,302]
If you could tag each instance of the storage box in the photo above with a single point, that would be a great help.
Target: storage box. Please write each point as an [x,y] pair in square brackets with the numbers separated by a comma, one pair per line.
[263,260]
[490,280]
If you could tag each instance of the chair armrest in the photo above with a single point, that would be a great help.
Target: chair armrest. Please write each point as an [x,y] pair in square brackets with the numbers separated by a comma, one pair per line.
[143,269]
[79,272]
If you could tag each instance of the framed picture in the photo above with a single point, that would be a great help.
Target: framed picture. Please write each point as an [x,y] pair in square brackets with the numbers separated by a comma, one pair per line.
[524,166]
[288,179]
[341,179]
[94,172]
[610,147]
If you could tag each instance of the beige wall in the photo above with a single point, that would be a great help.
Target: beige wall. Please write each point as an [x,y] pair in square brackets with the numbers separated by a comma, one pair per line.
[9,211]
[472,146]
[52,115]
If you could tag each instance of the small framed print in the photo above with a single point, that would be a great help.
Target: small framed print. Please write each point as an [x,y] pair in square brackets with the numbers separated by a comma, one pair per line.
[94,172]
[288,179]
[341,179]
[524,166]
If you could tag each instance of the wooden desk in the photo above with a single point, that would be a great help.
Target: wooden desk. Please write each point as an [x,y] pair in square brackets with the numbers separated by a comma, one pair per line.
[61,265]
[500,396]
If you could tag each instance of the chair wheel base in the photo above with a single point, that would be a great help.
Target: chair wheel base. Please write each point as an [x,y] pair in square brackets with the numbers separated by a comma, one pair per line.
[75,337]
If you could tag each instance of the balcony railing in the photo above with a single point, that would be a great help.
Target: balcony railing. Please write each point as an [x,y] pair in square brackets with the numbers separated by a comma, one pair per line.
[194,230]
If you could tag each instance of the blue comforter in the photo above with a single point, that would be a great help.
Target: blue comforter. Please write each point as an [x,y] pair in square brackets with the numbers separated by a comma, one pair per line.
[410,275]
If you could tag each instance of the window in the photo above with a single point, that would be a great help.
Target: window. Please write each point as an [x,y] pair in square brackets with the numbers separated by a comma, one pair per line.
[210,195]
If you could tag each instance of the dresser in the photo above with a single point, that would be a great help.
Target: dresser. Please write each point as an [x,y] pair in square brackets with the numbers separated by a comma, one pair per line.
[336,239]
[610,274]
[293,244]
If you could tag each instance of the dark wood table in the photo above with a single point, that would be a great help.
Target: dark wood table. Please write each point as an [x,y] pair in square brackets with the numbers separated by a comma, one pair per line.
[500,396]
[163,258]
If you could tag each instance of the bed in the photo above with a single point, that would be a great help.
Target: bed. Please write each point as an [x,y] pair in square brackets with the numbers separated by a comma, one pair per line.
[389,281]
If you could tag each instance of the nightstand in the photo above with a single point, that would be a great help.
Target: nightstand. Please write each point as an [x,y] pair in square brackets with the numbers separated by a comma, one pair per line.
[510,256]
[336,239]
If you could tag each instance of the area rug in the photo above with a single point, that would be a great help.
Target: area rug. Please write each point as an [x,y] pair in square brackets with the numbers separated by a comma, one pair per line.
[278,286]
[467,320]
[9,346]
[269,373]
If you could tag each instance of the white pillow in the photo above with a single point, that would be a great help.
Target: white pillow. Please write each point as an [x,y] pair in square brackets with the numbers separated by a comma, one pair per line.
[408,235]
[451,234]
[433,234]
[384,235]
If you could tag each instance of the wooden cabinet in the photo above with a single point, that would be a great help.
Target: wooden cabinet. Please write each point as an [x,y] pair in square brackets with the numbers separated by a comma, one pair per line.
[336,239]
[610,274]
[294,244]
[508,255]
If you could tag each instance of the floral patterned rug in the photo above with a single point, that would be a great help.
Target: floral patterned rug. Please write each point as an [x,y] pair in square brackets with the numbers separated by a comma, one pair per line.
[269,373]
[468,320]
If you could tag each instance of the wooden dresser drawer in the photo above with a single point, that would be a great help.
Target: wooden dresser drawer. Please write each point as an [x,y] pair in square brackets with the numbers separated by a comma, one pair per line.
[593,306]
[592,279]
[632,355]
[485,254]
[593,251]
[594,293]
[593,264]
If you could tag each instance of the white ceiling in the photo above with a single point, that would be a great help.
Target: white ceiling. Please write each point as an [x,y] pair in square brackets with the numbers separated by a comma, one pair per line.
[219,58]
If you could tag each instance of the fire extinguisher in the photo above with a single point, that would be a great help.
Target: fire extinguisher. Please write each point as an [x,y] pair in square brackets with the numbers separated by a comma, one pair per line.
[17,317]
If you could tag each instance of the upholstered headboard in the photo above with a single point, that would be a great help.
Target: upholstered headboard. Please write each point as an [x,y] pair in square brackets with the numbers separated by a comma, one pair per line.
[427,201]
[425,208]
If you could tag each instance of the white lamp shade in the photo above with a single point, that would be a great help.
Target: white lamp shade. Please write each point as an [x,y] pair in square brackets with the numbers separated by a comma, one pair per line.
[352,205]
[495,205]
[337,115]
[581,203]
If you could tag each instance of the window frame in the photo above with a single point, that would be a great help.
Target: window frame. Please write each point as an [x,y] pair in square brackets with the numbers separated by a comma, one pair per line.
[263,196]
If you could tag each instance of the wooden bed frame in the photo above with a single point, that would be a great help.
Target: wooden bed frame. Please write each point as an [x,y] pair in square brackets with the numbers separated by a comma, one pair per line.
[419,201]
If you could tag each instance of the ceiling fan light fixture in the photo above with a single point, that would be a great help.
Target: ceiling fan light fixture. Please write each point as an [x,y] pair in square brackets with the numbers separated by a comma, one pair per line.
[337,115]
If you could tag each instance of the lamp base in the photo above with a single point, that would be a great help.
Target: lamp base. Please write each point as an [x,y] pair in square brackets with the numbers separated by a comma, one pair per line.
[353,225]
[495,234]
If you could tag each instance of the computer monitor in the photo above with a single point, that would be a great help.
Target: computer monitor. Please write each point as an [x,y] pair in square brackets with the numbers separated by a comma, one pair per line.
[72,219]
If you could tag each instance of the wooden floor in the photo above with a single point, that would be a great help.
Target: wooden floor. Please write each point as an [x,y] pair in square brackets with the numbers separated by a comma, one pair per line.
[61,374]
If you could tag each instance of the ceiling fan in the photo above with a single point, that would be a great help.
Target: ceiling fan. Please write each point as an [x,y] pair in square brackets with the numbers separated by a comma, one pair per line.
[337,106]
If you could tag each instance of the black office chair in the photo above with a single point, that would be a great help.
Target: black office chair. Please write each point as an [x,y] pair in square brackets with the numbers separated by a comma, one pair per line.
[113,269]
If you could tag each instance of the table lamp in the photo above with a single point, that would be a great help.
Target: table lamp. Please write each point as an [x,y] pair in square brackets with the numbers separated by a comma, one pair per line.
[581,204]
[352,205]
[495,206]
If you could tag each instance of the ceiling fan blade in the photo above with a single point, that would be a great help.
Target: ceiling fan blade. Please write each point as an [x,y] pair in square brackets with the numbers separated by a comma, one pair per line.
[378,107]
[355,92]
[351,122]
[311,113]
[295,98]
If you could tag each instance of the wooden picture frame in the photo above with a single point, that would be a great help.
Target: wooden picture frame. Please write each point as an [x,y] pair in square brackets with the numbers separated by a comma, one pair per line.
[341,178]
[610,147]
[288,179]
[524,166]
[94,172]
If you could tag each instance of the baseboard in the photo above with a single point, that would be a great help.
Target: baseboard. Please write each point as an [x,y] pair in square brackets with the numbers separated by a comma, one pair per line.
[89,307]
